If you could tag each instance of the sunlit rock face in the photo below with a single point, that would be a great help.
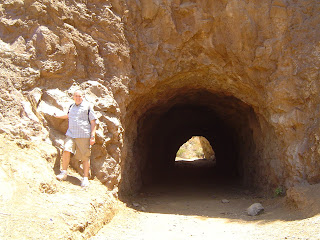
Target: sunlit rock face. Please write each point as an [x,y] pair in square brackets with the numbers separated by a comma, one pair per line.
[243,74]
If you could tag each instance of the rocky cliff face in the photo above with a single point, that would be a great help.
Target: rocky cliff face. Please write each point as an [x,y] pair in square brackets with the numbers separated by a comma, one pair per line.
[243,74]
[48,49]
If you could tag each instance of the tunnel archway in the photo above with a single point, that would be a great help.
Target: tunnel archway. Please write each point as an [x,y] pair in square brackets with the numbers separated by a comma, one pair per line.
[172,128]
[230,125]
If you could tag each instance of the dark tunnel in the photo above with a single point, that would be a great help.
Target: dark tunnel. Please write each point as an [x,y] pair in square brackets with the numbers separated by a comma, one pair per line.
[226,122]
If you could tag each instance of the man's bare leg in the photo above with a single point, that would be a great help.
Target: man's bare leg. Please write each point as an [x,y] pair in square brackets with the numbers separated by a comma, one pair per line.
[65,163]
[65,160]
[86,168]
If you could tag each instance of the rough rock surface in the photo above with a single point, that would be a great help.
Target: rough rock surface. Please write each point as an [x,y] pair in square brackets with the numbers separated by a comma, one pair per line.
[251,69]
[255,209]
[243,74]
[304,197]
[207,149]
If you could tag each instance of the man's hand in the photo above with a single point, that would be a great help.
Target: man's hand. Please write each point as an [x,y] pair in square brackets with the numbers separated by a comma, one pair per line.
[92,140]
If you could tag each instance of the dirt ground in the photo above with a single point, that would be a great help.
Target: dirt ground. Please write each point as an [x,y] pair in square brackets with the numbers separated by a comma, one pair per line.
[34,205]
[192,208]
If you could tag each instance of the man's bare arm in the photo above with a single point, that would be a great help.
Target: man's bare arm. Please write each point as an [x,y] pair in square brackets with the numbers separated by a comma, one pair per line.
[61,116]
[93,127]
[93,131]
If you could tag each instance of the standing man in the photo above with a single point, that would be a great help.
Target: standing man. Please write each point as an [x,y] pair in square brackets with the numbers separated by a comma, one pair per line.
[80,135]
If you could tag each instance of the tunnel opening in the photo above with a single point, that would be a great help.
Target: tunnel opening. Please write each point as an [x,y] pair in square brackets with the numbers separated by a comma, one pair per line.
[194,163]
[197,147]
[236,133]
[174,128]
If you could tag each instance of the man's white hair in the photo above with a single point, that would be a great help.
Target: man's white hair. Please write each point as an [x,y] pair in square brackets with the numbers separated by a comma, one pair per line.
[78,91]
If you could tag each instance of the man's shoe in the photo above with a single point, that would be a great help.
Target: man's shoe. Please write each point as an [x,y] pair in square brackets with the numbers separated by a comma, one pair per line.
[85,183]
[62,176]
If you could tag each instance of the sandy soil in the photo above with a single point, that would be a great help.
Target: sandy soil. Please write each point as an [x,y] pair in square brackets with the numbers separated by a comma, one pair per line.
[192,208]
[34,205]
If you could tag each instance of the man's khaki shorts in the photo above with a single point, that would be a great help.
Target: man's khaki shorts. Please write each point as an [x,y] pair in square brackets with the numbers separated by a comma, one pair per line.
[80,147]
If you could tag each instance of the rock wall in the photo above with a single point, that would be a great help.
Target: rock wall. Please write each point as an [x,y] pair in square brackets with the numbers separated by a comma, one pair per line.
[207,149]
[265,55]
[47,50]
[251,68]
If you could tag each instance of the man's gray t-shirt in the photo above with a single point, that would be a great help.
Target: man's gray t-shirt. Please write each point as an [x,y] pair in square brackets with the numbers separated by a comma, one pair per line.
[80,117]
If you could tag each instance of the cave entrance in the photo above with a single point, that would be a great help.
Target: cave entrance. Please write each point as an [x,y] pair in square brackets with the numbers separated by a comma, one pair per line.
[231,126]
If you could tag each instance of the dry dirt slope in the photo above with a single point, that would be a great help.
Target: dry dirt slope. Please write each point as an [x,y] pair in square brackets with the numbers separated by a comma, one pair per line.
[33,205]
